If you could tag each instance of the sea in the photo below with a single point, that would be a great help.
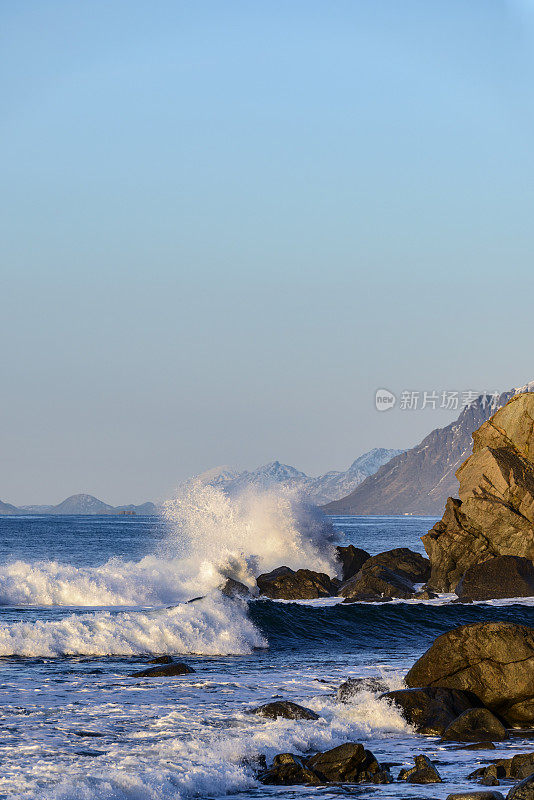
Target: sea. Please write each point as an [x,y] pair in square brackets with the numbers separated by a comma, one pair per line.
[88,601]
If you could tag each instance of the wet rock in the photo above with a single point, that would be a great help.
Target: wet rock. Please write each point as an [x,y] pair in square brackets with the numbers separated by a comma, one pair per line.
[475,725]
[424,771]
[524,790]
[425,594]
[160,660]
[494,515]
[493,660]
[89,734]
[489,780]
[479,746]
[431,710]
[289,770]
[352,560]
[234,588]
[499,577]
[286,584]
[402,561]
[348,763]
[376,583]
[519,766]
[165,671]
[483,795]
[352,686]
[285,709]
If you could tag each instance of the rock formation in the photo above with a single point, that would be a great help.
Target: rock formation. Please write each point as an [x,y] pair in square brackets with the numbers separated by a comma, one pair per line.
[493,660]
[494,515]
[499,577]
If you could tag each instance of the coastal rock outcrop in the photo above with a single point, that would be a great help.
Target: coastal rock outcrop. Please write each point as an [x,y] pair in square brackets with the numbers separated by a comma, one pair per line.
[404,562]
[493,660]
[376,583]
[287,584]
[524,790]
[494,515]
[431,710]
[348,763]
[499,577]
[352,560]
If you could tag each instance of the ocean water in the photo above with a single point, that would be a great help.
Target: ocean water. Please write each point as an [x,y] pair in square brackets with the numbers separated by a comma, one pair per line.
[86,601]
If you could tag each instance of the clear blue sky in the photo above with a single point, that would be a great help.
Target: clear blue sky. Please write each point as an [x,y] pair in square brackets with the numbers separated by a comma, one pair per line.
[225,224]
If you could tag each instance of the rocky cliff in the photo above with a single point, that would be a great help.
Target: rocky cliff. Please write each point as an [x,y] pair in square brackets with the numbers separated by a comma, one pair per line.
[418,481]
[494,515]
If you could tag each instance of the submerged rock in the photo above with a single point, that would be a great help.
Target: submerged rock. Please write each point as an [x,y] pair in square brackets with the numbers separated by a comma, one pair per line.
[431,710]
[160,660]
[352,560]
[499,577]
[286,584]
[285,709]
[475,725]
[484,795]
[424,771]
[375,583]
[519,766]
[494,515]
[493,660]
[169,670]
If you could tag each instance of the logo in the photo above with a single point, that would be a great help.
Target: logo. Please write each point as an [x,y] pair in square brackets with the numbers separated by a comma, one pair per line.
[384,400]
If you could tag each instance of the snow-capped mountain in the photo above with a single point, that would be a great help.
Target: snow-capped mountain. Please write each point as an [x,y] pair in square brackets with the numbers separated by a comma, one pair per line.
[321,489]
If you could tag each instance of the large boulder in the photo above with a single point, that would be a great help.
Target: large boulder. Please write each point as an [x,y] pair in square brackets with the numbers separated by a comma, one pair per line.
[431,710]
[475,725]
[494,515]
[502,576]
[377,583]
[286,584]
[524,790]
[289,770]
[493,660]
[285,709]
[352,560]
[404,562]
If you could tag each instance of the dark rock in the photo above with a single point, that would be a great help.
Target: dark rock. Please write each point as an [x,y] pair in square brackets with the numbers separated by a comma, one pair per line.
[160,660]
[479,746]
[524,790]
[424,771]
[234,588]
[285,709]
[375,583]
[286,584]
[499,577]
[494,515]
[352,560]
[352,686]
[289,770]
[475,725]
[431,710]
[425,594]
[348,763]
[169,670]
[489,781]
[404,562]
[519,766]
[484,795]
[493,660]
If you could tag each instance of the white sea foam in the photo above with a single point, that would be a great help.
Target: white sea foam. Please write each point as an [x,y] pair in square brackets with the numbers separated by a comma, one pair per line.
[210,538]
[212,626]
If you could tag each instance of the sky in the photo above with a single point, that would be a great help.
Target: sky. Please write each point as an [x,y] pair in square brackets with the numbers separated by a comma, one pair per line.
[226,225]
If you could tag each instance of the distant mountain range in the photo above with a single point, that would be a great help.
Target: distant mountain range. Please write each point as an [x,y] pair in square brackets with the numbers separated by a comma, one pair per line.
[79,504]
[320,490]
[418,481]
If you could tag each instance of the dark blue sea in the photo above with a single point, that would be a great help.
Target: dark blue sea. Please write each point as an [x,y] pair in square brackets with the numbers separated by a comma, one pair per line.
[87,601]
